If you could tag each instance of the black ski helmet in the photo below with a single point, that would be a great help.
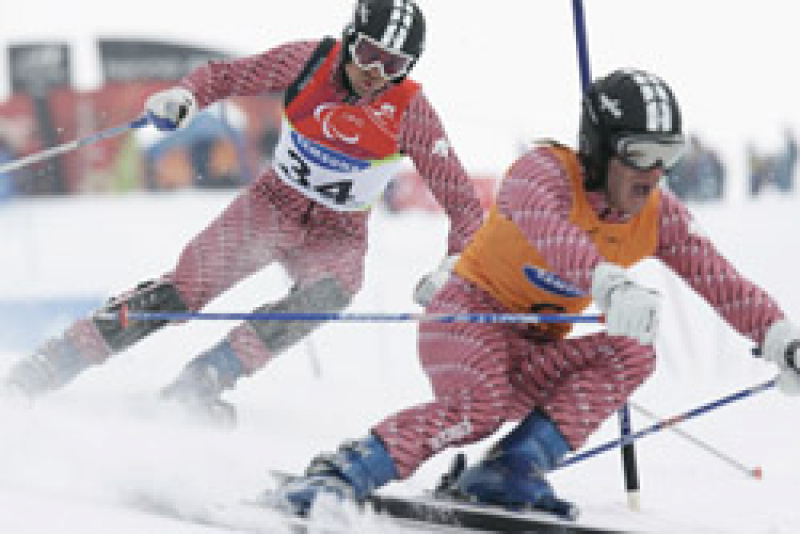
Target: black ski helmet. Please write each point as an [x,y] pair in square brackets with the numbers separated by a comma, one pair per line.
[627,101]
[397,24]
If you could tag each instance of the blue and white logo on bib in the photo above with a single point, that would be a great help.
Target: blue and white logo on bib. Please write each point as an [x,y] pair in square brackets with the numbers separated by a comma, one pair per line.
[325,157]
[550,282]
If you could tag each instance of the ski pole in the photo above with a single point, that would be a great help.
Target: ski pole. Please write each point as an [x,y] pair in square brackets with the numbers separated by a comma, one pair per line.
[124,316]
[754,472]
[72,145]
[665,423]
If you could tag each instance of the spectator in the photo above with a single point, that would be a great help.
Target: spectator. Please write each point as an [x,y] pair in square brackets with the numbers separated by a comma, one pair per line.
[773,169]
[700,175]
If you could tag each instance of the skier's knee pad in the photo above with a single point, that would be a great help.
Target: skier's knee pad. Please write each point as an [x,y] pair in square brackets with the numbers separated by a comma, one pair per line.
[150,296]
[324,295]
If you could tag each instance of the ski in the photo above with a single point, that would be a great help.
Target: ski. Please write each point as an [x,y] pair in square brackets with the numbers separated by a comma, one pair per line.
[434,511]
[441,508]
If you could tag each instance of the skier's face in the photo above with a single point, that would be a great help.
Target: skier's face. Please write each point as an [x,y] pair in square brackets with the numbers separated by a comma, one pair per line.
[627,188]
[365,82]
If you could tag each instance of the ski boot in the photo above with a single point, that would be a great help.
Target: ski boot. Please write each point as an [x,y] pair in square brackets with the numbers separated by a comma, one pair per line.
[49,368]
[512,473]
[352,473]
[198,389]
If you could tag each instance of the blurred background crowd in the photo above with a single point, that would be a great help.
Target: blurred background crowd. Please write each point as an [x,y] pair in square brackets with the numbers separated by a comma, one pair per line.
[229,143]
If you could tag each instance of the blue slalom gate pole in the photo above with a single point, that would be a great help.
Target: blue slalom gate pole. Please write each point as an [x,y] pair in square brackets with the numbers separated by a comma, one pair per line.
[582,47]
[629,467]
[72,145]
[668,422]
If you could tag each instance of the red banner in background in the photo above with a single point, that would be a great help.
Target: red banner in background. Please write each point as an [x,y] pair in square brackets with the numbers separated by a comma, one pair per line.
[96,167]
[18,125]
[18,137]
[223,147]
[36,69]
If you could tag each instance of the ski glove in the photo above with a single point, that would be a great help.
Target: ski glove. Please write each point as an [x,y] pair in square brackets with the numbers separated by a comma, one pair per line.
[781,344]
[630,309]
[430,284]
[171,109]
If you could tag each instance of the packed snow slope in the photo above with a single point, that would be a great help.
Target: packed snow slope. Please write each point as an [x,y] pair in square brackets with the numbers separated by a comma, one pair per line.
[72,461]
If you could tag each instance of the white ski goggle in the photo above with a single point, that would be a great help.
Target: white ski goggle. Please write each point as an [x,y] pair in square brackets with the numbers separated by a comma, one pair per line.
[645,152]
[368,53]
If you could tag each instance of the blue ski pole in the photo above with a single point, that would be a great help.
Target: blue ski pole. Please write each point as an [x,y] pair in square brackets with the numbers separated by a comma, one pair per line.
[353,317]
[668,422]
[72,145]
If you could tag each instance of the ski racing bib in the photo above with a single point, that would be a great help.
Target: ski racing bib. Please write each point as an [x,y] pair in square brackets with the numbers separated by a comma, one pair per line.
[330,177]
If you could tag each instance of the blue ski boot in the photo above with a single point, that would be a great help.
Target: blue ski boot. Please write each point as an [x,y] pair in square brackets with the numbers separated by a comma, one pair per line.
[512,473]
[352,473]
[200,385]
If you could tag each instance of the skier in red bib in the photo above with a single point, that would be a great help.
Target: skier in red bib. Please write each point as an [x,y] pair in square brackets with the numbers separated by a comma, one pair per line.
[351,114]
[564,227]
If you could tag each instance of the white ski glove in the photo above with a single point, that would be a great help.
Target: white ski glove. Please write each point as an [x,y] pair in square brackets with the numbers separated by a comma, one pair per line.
[630,309]
[171,109]
[781,345]
[430,284]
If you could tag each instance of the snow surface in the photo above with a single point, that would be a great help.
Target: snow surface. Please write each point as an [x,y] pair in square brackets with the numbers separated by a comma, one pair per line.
[71,462]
